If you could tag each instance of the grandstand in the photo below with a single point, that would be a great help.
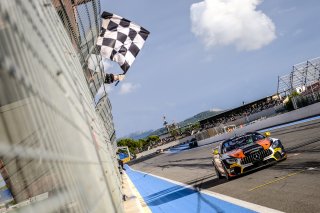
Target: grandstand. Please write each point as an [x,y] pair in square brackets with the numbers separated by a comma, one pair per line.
[243,114]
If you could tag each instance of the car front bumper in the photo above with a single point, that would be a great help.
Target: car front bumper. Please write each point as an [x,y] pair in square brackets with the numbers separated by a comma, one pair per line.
[235,169]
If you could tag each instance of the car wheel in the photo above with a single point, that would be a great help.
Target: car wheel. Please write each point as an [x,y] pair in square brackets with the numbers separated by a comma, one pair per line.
[228,177]
[284,158]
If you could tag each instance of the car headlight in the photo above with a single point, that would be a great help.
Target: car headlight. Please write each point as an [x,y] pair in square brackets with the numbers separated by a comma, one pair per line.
[275,143]
[231,160]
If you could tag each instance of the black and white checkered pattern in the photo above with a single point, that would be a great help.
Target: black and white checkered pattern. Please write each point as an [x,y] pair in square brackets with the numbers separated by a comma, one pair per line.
[120,39]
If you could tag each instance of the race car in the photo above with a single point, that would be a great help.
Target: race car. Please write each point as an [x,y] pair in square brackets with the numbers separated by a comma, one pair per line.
[247,152]
[193,143]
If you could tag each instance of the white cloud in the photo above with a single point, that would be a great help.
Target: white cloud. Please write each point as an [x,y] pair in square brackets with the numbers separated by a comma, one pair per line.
[286,10]
[215,109]
[128,87]
[226,22]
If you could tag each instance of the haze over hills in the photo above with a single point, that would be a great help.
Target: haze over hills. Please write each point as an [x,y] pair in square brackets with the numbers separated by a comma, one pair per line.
[198,117]
[139,135]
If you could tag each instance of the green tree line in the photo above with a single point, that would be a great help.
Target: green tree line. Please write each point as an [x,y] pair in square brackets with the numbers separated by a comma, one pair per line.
[136,146]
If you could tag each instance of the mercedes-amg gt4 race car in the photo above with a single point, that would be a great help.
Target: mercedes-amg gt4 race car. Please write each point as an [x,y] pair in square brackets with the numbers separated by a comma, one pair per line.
[247,152]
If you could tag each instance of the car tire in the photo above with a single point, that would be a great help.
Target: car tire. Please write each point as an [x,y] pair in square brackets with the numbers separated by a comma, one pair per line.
[228,177]
[283,158]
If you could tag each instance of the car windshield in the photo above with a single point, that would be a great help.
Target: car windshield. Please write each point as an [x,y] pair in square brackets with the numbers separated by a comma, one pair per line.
[237,142]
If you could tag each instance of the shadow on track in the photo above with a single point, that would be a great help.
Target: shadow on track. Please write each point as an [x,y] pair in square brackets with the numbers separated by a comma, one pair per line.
[298,166]
[304,127]
[301,145]
[187,165]
[190,159]
[168,195]
[177,192]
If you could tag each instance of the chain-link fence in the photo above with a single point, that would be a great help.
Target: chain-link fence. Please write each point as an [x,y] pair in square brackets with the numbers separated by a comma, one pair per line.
[302,77]
[55,151]
[302,85]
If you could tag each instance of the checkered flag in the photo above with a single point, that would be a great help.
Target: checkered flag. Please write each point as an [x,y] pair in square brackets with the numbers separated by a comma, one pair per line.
[120,39]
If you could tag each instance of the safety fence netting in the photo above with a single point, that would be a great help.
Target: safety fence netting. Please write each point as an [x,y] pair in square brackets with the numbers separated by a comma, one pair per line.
[56,152]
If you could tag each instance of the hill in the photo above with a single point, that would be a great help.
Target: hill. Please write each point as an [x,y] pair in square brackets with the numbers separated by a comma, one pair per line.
[198,117]
[139,135]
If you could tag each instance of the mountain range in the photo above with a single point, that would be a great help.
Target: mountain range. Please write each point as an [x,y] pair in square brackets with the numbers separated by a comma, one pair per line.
[198,117]
[139,135]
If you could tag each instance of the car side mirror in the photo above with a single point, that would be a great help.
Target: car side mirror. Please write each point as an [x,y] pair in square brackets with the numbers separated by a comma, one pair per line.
[215,152]
[267,134]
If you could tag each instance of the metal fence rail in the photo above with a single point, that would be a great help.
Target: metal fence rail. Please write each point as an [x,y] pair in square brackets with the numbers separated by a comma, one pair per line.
[302,75]
[55,151]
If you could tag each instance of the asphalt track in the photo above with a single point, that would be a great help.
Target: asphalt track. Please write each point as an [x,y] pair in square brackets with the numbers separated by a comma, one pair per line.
[292,185]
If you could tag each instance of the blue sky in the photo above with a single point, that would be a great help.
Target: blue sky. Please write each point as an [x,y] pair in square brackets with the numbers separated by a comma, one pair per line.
[211,54]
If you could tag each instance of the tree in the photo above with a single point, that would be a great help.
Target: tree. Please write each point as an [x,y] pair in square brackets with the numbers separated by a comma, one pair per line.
[154,138]
[151,140]
[136,146]
[196,126]
[130,143]
[289,105]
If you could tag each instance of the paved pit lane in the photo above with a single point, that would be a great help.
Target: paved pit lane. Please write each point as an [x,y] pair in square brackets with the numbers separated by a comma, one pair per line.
[292,185]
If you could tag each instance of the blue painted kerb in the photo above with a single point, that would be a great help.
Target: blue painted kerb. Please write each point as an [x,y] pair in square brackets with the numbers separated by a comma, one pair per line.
[164,196]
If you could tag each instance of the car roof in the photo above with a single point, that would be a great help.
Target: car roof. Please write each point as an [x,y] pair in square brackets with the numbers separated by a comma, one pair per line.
[240,136]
